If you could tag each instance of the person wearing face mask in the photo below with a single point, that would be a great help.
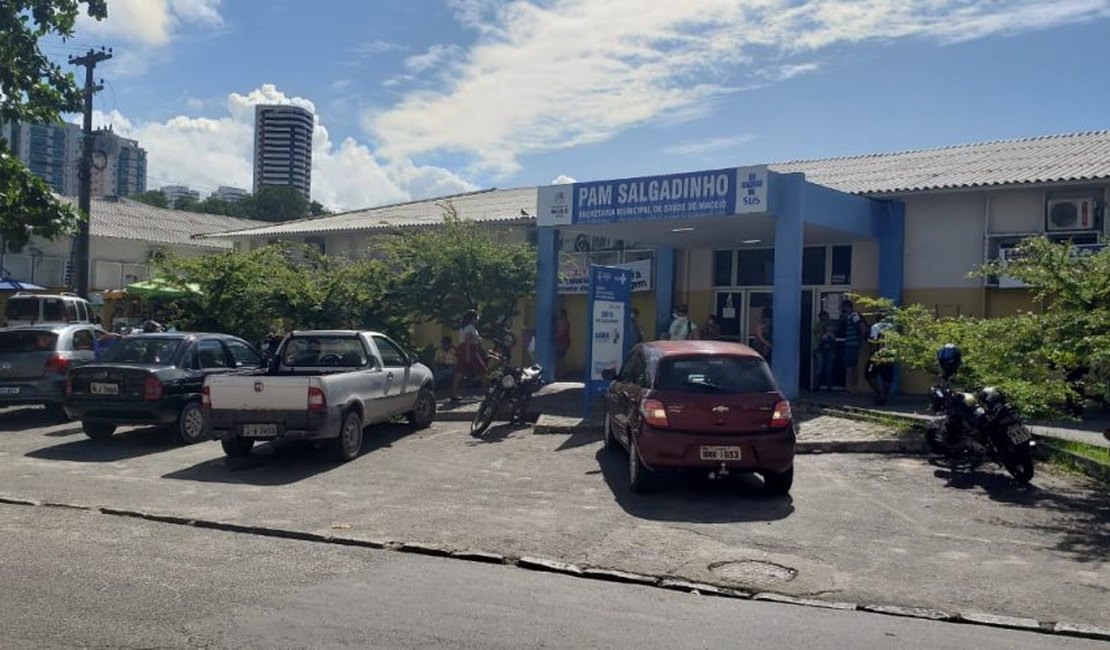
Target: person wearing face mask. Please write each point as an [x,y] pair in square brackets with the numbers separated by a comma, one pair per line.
[682,328]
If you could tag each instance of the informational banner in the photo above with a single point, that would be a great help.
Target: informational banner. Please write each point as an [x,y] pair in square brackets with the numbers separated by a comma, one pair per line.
[574,273]
[712,193]
[608,309]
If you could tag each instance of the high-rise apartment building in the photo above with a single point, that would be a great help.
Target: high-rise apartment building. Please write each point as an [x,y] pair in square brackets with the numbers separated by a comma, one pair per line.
[230,194]
[119,165]
[283,147]
[53,152]
[175,193]
[50,151]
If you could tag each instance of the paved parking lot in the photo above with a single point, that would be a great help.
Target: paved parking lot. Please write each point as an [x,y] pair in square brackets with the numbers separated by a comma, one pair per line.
[861,528]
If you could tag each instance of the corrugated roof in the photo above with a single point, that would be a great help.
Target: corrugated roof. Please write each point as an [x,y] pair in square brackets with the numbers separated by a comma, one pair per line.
[1045,159]
[486,205]
[1053,158]
[127,219]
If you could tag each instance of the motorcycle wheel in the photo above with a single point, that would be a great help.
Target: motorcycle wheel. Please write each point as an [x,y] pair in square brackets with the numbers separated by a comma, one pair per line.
[1018,461]
[486,411]
[934,438]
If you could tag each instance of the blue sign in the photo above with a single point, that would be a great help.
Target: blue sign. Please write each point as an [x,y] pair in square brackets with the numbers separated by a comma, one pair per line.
[712,193]
[608,311]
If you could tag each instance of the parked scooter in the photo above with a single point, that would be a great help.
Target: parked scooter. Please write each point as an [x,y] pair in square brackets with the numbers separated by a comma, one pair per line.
[509,393]
[974,426]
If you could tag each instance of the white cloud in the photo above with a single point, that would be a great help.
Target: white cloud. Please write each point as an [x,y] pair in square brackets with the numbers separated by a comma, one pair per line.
[205,152]
[555,74]
[431,57]
[151,22]
[708,146]
[563,179]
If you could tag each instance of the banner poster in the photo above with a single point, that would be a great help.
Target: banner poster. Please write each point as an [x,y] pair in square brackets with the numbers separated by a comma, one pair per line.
[610,292]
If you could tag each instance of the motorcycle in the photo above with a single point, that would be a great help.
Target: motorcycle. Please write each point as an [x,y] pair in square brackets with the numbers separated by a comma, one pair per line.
[509,392]
[974,426]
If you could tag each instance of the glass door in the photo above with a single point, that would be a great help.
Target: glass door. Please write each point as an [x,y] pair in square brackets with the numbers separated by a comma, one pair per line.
[729,308]
[753,314]
[830,303]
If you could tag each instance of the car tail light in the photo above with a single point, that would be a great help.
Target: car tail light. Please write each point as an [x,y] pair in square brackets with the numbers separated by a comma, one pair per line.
[655,414]
[152,389]
[205,398]
[316,400]
[781,415]
[57,363]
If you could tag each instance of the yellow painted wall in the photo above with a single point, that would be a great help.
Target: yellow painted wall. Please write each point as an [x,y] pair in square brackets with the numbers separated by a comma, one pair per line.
[1008,302]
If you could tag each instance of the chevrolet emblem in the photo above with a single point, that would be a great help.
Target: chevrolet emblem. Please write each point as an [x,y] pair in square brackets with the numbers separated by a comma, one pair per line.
[258,386]
[720,409]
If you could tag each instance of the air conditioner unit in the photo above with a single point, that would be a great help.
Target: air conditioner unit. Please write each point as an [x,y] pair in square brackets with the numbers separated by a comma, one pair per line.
[1070,214]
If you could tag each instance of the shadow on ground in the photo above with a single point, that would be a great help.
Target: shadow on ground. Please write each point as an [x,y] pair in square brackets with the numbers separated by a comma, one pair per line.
[22,419]
[1076,516]
[284,463]
[129,444]
[693,498]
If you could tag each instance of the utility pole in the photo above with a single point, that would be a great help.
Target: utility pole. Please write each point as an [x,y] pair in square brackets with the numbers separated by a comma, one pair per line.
[84,174]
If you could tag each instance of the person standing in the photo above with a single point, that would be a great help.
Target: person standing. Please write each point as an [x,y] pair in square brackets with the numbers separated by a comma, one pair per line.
[562,340]
[764,333]
[852,332]
[636,336]
[471,358]
[682,328]
[446,360]
[880,372]
[824,335]
[712,329]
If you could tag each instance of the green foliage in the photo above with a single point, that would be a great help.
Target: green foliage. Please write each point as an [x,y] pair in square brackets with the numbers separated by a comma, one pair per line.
[317,209]
[35,89]
[445,271]
[1040,360]
[283,287]
[276,203]
[157,198]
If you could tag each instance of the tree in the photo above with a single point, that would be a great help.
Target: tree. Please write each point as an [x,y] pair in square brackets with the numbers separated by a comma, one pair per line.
[186,203]
[35,89]
[443,272]
[1040,360]
[317,209]
[276,203]
[157,198]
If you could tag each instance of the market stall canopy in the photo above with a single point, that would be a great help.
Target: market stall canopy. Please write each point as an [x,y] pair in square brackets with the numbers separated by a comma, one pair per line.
[162,288]
[9,284]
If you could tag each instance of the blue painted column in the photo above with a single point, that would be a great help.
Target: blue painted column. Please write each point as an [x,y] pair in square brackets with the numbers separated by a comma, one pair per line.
[664,291]
[890,228]
[547,296]
[787,204]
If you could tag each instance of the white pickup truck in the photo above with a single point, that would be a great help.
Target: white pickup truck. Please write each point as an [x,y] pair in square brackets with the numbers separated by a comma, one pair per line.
[322,385]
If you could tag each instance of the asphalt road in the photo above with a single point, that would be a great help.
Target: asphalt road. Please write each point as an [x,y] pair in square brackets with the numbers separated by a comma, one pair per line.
[80,579]
[860,528]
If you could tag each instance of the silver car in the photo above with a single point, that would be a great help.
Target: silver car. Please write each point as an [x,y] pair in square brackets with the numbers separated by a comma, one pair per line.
[34,362]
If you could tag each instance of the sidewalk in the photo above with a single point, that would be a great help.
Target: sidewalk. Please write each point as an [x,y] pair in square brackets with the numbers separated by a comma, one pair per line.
[1088,431]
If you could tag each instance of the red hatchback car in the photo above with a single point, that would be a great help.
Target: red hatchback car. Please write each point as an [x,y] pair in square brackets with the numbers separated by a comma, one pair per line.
[703,405]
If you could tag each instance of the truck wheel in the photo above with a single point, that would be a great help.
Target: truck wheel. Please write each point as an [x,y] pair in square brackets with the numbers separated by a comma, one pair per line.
[98,430]
[423,413]
[349,443]
[237,447]
[191,427]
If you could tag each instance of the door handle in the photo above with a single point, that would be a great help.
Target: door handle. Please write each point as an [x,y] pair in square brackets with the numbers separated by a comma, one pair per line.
[389,375]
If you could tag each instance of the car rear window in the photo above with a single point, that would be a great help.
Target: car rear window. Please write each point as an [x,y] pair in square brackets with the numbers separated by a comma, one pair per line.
[28,341]
[347,352]
[717,374]
[22,309]
[154,351]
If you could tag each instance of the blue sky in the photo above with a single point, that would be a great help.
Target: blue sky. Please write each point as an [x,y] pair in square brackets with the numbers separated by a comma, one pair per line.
[416,98]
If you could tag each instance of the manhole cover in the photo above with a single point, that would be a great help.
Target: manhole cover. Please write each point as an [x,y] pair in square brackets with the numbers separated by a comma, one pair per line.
[751,571]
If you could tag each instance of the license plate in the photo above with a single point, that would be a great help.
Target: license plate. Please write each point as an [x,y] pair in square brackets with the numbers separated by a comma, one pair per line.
[259,430]
[1020,435]
[97,388]
[9,390]
[720,453]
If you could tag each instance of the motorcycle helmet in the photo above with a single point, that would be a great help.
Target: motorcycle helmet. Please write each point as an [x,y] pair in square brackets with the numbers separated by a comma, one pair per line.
[991,397]
[949,358]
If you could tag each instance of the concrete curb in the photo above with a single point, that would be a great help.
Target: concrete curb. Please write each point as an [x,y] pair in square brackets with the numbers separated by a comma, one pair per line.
[1060,628]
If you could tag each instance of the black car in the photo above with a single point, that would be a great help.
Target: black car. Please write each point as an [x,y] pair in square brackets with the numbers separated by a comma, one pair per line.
[154,379]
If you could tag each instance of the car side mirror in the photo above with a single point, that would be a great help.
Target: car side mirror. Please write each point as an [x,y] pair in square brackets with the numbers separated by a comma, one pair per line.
[609,374]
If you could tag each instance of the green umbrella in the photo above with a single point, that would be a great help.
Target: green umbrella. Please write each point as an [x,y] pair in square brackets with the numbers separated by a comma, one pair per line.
[162,288]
